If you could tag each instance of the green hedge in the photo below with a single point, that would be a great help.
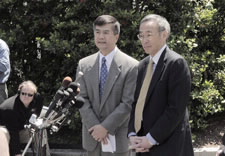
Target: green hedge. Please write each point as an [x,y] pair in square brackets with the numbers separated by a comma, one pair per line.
[48,37]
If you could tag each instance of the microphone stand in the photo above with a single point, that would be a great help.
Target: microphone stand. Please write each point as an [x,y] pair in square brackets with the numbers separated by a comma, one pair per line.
[40,139]
[29,142]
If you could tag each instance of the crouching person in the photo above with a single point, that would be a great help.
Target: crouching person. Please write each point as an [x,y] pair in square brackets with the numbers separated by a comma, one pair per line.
[15,113]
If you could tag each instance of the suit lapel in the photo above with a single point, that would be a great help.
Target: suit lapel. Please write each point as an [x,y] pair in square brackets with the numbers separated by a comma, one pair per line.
[94,77]
[114,73]
[157,73]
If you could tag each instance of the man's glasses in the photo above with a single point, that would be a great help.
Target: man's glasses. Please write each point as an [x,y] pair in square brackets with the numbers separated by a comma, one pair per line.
[142,37]
[149,34]
[27,94]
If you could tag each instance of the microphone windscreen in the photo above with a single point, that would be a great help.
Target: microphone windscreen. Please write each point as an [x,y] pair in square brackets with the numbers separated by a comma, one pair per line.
[59,94]
[79,102]
[66,81]
[74,86]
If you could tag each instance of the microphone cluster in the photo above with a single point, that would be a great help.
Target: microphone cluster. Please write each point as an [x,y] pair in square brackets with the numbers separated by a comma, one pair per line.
[61,107]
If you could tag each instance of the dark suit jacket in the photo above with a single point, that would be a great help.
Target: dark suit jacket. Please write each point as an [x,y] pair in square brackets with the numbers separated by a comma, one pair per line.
[165,113]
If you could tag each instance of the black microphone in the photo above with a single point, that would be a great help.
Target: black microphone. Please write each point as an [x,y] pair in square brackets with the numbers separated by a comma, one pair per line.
[72,99]
[59,95]
[79,102]
[75,87]
[60,105]
[65,99]
[72,91]
[67,112]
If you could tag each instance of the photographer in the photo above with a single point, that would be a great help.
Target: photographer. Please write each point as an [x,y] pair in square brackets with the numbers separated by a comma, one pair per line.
[15,113]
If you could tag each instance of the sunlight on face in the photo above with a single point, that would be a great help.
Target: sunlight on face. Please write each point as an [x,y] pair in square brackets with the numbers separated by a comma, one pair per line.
[151,38]
[27,95]
[105,39]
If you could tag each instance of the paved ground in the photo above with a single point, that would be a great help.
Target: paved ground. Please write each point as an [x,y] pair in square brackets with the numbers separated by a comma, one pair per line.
[209,151]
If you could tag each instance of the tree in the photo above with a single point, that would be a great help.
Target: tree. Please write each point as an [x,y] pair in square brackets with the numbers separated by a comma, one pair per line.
[47,38]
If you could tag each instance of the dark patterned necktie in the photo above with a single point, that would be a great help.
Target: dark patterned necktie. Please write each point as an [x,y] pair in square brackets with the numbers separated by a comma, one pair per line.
[103,76]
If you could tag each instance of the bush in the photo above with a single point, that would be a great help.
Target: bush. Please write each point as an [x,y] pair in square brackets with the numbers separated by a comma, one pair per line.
[47,38]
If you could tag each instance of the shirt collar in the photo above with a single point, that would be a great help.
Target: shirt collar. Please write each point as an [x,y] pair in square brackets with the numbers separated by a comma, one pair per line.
[158,54]
[108,58]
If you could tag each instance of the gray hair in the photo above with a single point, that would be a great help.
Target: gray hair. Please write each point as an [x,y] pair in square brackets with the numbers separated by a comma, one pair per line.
[161,21]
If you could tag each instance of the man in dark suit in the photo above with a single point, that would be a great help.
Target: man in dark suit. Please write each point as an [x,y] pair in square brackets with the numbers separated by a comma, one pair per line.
[161,127]
[107,85]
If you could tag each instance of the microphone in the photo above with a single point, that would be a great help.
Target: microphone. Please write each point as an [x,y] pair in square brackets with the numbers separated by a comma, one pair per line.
[79,102]
[65,83]
[73,90]
[61,107]
[75,87]
[59,94]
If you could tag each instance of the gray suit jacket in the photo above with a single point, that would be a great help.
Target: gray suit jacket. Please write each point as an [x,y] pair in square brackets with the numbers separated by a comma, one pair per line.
[114,109]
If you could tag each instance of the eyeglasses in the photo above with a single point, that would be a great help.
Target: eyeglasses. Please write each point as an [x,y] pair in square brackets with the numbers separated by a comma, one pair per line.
[27,94]
[142,37]
[149,35]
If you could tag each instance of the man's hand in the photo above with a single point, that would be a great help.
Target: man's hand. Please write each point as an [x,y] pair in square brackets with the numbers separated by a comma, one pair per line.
[99,133]
[140,144]
[105,140]
[133,141]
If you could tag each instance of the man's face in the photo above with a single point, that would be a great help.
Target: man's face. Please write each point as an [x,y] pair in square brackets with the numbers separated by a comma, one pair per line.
[151,38]
[105,39]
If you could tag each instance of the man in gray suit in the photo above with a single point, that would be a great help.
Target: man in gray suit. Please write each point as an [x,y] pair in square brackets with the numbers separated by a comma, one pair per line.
[107,84]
